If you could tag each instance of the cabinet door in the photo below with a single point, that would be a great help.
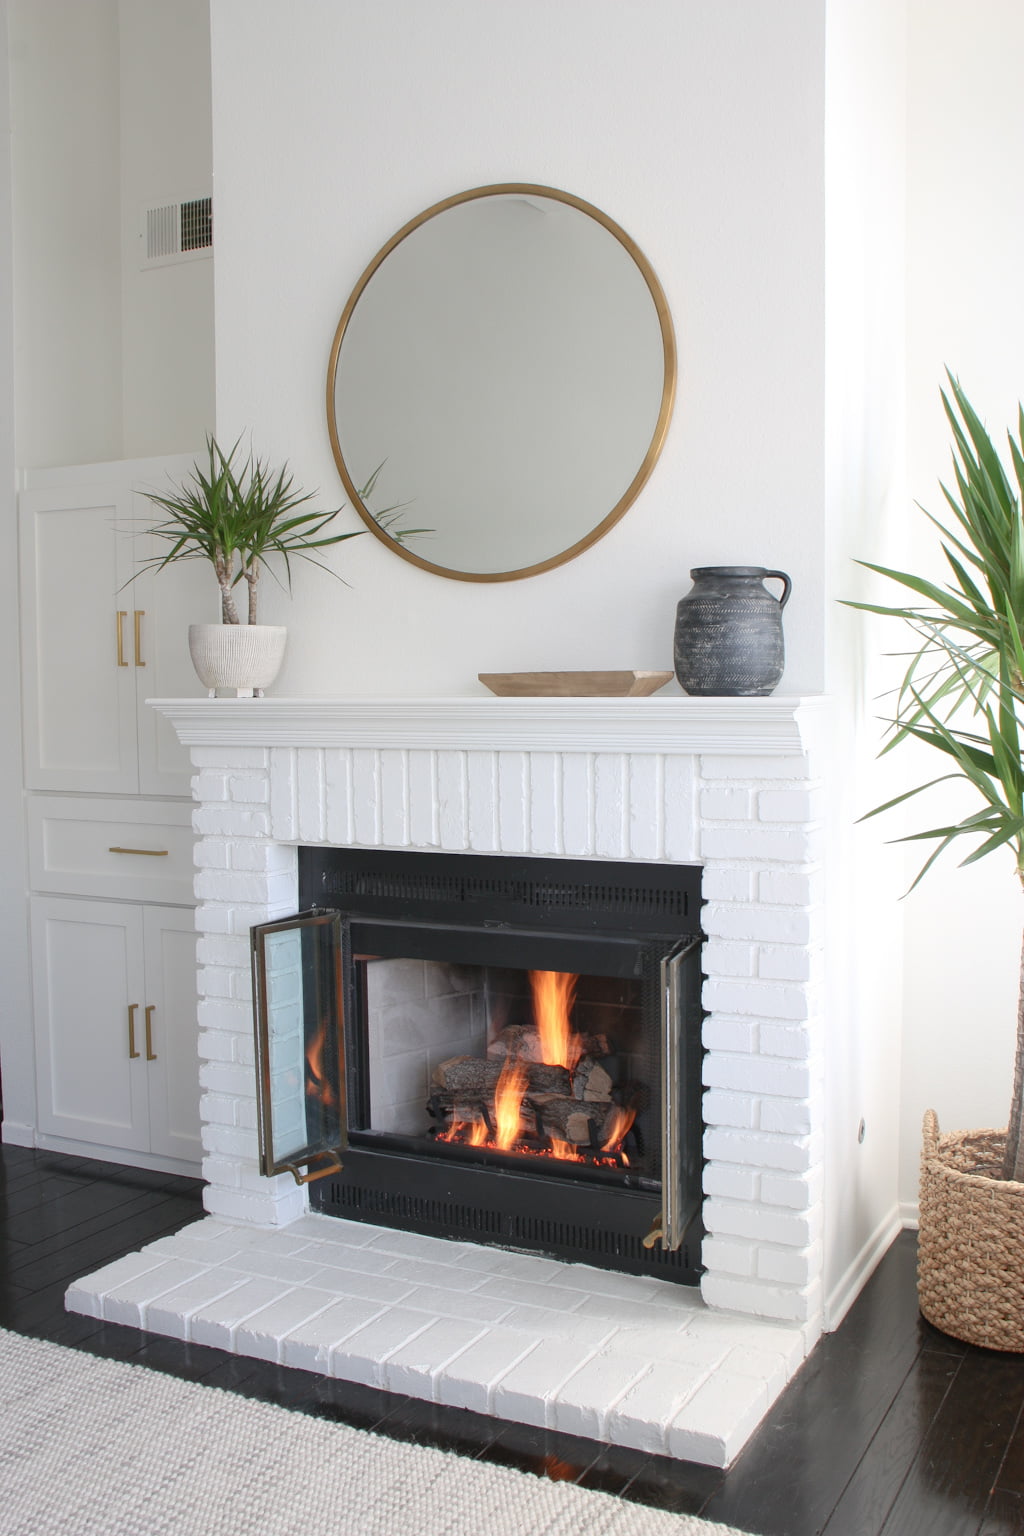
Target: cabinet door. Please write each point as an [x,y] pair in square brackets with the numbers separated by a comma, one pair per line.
[77,639]
[89,977]
[169,1037]
[167,602]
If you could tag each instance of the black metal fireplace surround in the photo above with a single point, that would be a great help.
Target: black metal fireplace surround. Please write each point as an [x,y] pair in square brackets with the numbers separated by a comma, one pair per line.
[447,964]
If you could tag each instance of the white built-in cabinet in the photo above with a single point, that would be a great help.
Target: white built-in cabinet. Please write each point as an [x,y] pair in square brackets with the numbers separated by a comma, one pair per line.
[109,821]
[115,987]
[101,633]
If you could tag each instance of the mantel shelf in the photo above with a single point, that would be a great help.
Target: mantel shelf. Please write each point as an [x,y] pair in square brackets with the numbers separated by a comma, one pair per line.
[776,726]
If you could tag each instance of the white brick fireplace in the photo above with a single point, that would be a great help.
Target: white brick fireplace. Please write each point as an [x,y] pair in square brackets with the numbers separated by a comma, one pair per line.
[731,784]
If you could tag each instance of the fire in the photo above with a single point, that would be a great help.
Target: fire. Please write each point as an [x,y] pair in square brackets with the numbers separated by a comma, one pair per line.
[470,1133]
[317,1085]
[553,996]
[564,1150]
[508,1097]
[617,1127]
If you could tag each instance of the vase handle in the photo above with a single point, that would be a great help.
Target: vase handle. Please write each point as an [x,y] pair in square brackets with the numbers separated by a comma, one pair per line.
[787,585]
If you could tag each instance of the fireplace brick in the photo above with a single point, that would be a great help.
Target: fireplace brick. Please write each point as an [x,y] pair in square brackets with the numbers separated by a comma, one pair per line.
[797,1194]
[790,1229]
[732,1256]
[759,924]
[731,1182]
[790,1266]
[723,957]
[754,843]
[781,887]
[792,805]
[759,1075]
[719,1034]
[765,998]
[787,1303]
[784,1154]
[737,1109]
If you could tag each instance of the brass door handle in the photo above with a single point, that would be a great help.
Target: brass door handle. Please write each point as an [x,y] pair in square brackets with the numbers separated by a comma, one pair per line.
[150,853]
[121,616]
[332,1164]
[133,1009]
[140,614]
[150,1053]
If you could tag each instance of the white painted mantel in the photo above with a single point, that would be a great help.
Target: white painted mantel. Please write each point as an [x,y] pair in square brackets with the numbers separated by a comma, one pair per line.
[731,784]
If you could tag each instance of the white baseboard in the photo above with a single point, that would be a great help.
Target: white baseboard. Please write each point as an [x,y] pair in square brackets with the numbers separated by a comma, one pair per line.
[17,1135]
[909,1215]
[842,1295]
[149,1160]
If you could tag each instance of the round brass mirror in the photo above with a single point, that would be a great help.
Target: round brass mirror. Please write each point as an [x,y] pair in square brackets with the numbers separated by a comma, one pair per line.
[500,383]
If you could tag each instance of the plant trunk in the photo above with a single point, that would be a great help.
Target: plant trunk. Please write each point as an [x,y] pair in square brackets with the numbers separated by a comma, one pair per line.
[228,611]
[252,576]
[1013,1161]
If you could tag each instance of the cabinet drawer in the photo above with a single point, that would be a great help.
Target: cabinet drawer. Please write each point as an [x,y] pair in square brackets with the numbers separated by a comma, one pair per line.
[134,850]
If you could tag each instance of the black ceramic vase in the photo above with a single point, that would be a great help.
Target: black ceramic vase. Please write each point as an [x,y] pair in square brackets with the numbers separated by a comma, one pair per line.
[729,631]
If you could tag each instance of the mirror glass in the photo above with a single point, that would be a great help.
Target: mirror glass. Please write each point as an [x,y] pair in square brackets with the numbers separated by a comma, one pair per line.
[500,383]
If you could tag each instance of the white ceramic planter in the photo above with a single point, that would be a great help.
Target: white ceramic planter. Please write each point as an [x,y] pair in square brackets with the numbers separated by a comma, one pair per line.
[244,657]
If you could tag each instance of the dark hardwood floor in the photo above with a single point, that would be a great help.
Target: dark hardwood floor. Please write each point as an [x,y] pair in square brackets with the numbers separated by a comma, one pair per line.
[890,1429]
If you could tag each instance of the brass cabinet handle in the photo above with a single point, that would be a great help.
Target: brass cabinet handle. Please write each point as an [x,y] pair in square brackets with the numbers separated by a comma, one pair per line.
[150,1053]
[140,614]
[121,616]
[133,1009]
[149,853]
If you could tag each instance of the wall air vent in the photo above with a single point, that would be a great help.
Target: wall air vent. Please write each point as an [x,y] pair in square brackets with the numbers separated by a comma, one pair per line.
[176,231]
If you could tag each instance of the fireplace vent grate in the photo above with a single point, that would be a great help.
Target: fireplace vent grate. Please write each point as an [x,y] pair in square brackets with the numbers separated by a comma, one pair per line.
[594,1244]
[640,898]
[435,1214]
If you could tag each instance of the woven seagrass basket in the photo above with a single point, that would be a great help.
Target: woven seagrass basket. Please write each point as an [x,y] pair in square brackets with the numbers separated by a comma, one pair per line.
[970,1264]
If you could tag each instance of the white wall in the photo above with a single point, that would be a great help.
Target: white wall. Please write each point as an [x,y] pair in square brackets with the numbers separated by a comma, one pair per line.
[167,364]
[965,309]
[67,239]
[866,493]
[16,1046]
[699,129]
[110,109]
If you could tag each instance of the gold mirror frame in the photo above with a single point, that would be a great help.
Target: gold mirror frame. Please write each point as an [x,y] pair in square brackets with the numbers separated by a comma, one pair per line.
[664,414]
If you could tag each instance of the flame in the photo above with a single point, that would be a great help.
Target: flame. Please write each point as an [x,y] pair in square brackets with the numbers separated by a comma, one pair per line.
[317,1086]
[564,1150]
[553,995]
[508,1097]
[617,1127]
[470,1133]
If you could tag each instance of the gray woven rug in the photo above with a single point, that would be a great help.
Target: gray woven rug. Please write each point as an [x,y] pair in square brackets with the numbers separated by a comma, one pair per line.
[92,1447]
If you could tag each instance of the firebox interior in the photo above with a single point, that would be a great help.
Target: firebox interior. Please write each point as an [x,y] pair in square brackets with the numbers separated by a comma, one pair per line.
[517,1052]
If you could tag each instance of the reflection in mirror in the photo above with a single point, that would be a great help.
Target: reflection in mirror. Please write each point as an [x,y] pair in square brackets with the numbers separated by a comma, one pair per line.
[500,383]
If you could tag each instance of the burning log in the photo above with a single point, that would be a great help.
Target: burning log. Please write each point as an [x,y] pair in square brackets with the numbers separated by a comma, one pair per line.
[592,1081]
[524,1041]
[581,1124]
[469,1078]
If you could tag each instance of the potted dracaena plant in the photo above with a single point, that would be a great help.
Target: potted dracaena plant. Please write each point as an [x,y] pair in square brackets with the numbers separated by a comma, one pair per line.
[963,695]
[239,514]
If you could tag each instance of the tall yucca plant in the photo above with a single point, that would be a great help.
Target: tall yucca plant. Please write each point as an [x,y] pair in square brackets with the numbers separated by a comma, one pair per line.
[237,513]
[963,690]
